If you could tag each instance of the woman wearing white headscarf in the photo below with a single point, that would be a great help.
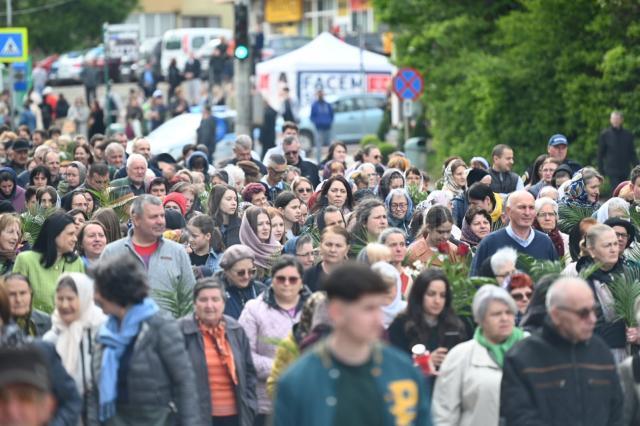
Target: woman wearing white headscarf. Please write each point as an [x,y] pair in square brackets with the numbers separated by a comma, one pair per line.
[391,277]
[75,321]
[614,207]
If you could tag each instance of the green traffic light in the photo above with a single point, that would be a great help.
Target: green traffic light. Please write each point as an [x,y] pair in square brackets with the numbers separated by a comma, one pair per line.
[241,52]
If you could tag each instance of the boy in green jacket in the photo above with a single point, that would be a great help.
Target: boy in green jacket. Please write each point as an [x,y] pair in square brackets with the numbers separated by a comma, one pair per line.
[351,378]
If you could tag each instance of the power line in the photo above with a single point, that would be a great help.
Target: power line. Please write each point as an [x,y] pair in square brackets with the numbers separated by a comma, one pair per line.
[35,9]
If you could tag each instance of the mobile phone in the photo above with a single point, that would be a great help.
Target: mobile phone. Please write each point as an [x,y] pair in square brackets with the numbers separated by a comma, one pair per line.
[451,338]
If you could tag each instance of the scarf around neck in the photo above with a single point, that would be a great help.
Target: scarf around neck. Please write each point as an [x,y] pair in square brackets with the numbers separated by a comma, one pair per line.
[497,351]
[116,338]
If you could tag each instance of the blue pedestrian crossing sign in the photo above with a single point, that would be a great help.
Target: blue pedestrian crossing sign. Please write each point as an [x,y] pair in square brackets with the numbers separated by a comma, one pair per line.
[14,45]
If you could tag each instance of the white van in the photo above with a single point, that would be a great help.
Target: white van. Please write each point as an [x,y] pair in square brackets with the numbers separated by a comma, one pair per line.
[178,44]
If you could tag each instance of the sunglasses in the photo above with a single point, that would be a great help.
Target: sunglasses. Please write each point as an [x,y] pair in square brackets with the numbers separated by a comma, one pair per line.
[583,313]
[279,279]
[244,272]
[520,296]
[305,190]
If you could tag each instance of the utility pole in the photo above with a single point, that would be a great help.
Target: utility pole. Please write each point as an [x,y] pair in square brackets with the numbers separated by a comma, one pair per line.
[10,66]
[105,70]
[242,69]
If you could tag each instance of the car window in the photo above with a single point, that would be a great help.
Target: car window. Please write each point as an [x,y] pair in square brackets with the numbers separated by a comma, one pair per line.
[173,44]
[344,105]
[372,102]
[197,42]
[358,104]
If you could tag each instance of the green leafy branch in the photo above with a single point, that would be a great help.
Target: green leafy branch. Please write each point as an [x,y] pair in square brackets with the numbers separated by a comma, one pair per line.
[178,299]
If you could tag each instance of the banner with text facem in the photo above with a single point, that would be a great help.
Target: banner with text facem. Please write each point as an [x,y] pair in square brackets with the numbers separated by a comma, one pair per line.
[338,82]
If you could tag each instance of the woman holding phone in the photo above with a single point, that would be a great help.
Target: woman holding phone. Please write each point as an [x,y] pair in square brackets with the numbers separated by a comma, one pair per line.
[429,318]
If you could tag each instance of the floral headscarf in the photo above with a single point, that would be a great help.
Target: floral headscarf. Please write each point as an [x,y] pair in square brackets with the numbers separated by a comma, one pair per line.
[576,193]
[449,182]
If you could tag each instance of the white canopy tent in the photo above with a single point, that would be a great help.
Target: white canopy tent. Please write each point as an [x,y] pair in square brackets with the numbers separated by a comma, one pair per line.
[328,63]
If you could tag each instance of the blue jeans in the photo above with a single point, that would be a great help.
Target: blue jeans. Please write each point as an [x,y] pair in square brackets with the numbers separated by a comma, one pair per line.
[324,136]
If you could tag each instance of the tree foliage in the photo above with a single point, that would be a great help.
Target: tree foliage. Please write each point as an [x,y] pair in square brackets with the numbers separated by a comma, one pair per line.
[56,26]
[517,72]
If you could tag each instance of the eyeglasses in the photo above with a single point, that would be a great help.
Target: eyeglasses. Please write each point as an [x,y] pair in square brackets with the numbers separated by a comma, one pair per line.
[304,190]
[621,235]
[583,313]
[277,172]
[307,254]
[545,215]
[244,272]
[518,297]
[279,279]
[399,206]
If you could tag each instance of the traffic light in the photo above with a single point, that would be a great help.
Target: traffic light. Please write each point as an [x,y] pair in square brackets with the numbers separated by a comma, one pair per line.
[241,32]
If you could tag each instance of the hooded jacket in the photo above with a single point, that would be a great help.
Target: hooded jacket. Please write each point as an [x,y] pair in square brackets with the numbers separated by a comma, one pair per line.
[16,198]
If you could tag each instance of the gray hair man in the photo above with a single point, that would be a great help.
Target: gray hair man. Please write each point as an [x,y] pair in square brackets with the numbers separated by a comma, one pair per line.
[136,172]
[564,375]
[242,152]
[166,262]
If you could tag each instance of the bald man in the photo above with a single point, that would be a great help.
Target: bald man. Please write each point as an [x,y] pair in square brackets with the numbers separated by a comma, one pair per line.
[563,375]
[519,234]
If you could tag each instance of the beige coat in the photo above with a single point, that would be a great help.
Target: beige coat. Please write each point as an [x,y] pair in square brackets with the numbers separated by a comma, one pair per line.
[467,391]
[631,391]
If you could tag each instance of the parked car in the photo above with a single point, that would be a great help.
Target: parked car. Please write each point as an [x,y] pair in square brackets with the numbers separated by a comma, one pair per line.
[279,45]
[47,62]
[175,133]
[178,44]
[67,68]
[95,58]
[354,116]
[150,51]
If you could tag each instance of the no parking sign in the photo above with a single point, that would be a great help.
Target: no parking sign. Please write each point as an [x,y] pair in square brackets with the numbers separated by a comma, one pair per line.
[408,84]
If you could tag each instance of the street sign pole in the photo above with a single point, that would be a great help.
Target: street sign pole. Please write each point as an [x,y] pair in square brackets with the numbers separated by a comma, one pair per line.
[408,85]
[12,107]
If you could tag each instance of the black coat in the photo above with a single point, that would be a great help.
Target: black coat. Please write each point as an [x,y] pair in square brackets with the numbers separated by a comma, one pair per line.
[310,171]
[444,334]
[549,381]
[616,152]
[245,390]
[69,403]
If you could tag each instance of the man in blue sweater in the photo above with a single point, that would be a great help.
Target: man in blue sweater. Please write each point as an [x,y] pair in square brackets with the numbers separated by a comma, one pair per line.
[519,234]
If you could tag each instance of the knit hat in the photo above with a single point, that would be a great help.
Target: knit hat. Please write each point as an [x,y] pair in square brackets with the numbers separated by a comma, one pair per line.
[177,198]
[234,254]
[475,175]
[173,219]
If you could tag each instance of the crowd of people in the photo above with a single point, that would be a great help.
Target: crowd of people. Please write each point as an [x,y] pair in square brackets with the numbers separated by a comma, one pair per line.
[140,289]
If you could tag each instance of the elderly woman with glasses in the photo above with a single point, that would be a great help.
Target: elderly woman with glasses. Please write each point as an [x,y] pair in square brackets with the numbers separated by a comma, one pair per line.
[237,275]
[520,288]
[399,209]
[270,318]
[547,221]
[467,390]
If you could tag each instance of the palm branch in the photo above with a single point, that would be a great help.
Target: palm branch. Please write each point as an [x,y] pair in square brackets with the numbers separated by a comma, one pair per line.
[625,289]
[178,299]
[32,220]
[114,198]
[634,217]
[571,215]
[204,197]
[538,268]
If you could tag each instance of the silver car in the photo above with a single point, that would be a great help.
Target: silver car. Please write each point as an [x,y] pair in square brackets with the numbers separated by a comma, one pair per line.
[354,116]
